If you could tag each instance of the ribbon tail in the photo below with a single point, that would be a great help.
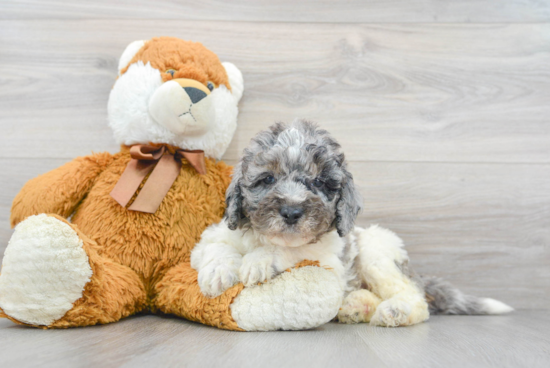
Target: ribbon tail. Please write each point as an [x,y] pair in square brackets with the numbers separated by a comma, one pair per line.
[196,159]
[157,185]
[130,180]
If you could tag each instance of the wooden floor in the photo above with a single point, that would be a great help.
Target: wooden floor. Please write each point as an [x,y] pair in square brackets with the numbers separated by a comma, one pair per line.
[442,107]
[518,340]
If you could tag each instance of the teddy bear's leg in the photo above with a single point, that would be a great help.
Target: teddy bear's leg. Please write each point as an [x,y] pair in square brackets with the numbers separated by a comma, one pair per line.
[179,293]
[53,277]
[302,298]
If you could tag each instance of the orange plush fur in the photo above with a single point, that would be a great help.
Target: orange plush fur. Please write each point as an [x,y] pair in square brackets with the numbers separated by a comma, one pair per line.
[140,261]
[200,63]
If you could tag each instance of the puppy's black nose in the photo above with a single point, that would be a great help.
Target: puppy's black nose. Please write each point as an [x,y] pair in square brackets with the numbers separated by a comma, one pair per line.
[291,214]
[195,94]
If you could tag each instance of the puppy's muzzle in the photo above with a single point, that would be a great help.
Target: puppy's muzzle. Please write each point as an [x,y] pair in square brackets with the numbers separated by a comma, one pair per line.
[291,214]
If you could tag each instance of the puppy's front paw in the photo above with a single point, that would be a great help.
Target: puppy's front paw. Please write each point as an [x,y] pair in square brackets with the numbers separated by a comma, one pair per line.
[216,278]
[256,268]
[391,313]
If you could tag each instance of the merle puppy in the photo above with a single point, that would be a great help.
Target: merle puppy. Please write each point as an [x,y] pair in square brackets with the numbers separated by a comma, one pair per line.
[293,199]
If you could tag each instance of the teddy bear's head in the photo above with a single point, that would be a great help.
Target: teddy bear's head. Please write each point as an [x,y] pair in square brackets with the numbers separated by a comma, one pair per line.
[175,92]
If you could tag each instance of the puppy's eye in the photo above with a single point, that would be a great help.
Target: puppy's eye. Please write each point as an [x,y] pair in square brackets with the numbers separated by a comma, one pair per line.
[317,183]
[210,86]
[171,72]
[269,180]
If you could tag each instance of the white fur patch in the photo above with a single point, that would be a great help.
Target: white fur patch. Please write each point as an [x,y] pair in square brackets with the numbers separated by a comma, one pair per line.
[289,240]
[235,80]
[132,123]
[129,53]
[44,271]
[301,299]
[291,138]
[493,306]
[380,251]
[219,245]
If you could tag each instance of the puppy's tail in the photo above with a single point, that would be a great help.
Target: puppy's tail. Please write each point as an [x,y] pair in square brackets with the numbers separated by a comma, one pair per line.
[444,298]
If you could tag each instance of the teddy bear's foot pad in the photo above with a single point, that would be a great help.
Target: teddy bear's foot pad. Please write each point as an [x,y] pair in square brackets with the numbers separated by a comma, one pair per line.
[44,271]
[304,298]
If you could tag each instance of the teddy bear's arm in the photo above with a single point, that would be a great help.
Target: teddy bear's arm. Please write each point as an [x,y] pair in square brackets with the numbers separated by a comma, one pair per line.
[59,191]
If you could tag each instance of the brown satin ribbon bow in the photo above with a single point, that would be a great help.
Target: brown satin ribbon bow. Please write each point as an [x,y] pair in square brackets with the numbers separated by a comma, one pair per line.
[163,175]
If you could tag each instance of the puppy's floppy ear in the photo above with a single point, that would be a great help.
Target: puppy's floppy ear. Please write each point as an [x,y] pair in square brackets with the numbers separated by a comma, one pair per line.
[233,199]
[348,206]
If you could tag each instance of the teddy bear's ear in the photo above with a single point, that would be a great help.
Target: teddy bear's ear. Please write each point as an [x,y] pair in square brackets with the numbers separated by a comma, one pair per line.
[235,80]
[129,53]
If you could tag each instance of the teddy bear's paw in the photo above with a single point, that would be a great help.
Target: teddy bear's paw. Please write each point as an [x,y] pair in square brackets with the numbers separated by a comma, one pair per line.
[256,268]
[217,277]
[359,306]
[303,298]
[44,271]
[391,313]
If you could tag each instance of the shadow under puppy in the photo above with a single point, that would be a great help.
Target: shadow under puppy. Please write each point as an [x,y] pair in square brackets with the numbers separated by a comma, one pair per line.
[292,199]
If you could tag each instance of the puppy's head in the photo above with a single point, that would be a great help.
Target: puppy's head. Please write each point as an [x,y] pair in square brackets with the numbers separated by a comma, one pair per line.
[292,186]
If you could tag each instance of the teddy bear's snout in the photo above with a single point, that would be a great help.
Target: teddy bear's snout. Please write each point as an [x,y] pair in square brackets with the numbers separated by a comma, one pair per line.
[181,105]
[194,94]
[194,89]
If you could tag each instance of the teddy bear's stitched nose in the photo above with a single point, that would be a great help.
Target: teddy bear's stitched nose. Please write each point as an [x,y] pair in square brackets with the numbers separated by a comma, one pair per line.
[194,94]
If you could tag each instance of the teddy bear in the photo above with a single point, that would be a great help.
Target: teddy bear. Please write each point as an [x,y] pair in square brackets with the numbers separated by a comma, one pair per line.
[107,236]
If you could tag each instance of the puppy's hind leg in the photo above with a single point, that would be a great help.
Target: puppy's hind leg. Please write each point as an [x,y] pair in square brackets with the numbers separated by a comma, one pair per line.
[359,306]
[383,266]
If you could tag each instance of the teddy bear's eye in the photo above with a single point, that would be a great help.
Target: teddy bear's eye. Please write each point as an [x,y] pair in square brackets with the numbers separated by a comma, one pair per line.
[171,72]
[210,86]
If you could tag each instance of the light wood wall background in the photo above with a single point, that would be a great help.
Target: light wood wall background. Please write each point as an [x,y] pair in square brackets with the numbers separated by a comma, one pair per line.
[442,107]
